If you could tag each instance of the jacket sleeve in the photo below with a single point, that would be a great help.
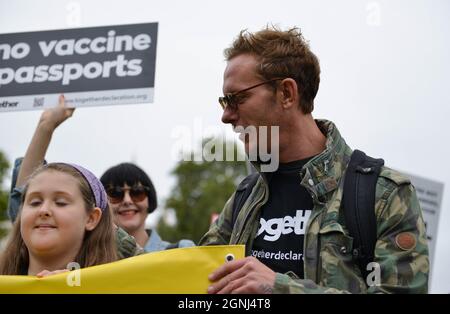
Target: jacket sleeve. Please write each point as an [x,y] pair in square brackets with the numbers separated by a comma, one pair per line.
[15,195]
[402,250]
[126,244]
[401,263]
[286,284]
[220,231]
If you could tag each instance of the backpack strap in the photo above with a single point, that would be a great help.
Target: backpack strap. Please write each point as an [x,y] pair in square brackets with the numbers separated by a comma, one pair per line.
[242,193]
[359,206]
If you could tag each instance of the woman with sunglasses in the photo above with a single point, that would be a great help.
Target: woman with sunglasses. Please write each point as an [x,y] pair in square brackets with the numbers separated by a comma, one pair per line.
[132,197]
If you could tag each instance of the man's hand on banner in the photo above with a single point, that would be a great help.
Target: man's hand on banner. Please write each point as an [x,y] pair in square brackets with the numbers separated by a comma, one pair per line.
[246,275]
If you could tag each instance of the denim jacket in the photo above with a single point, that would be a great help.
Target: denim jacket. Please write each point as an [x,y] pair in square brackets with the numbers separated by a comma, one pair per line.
[155,243]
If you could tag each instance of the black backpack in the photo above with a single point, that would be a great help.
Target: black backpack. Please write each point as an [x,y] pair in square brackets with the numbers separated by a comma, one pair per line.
[358,200]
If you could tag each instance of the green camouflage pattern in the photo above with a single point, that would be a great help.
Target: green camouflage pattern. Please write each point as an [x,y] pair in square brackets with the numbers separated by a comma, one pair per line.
[329,266]
[126,244]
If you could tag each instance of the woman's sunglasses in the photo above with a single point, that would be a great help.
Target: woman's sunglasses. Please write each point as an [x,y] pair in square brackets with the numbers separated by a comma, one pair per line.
[137,193]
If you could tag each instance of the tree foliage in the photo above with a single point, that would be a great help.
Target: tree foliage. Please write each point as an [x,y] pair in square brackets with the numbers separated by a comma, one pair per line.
[201,190]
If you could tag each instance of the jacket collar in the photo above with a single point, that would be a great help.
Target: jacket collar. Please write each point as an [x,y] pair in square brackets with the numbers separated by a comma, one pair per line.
[154,243]
[322,174]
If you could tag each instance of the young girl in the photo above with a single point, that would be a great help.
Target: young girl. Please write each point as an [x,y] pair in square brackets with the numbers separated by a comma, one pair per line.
[64,218]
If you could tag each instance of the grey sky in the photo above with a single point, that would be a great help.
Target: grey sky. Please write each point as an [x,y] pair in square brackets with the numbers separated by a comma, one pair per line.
[385,82]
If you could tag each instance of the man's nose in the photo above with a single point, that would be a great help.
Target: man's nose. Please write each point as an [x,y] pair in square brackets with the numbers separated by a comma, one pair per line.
[229,115]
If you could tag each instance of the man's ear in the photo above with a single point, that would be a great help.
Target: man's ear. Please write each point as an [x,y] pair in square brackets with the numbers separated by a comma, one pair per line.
[289,93]
[93,219]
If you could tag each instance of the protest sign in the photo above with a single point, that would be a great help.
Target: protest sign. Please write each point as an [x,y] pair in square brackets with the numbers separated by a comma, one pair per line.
[93,66]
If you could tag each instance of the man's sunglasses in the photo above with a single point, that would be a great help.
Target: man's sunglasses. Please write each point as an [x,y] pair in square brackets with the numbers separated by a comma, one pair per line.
[229,100]
[137,193]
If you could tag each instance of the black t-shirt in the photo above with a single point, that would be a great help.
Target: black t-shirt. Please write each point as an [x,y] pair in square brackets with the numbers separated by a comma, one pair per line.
[279,241]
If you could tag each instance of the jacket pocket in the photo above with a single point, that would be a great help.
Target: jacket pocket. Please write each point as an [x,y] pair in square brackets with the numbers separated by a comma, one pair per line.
[333,236]
[336,266]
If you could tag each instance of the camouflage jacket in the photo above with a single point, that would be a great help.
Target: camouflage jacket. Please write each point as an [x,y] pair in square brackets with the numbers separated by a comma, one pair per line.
[401,249]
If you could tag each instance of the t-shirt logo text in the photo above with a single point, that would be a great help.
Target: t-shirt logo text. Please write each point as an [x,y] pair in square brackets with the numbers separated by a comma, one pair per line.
[275,227]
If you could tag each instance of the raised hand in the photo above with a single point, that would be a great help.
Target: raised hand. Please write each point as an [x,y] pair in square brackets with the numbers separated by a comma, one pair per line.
[53,117]
[35,154]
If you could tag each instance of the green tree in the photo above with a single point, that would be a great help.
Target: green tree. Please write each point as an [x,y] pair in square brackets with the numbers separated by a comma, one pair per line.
[4,166]
[201,190]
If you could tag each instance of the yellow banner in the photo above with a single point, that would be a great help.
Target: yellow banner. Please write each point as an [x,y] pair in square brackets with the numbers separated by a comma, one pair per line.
[183,270]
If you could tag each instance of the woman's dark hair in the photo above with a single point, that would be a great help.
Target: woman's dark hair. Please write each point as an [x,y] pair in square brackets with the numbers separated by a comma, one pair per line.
[130,174]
